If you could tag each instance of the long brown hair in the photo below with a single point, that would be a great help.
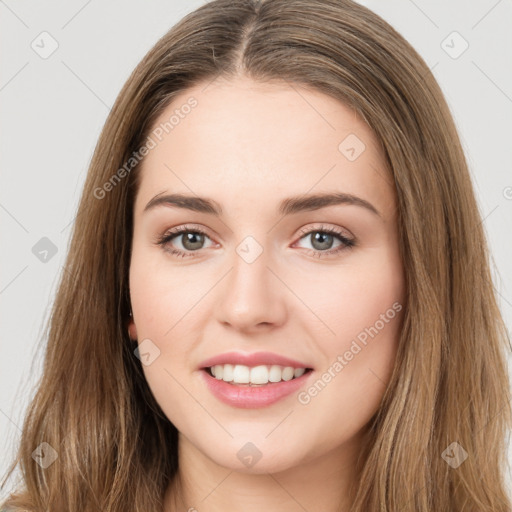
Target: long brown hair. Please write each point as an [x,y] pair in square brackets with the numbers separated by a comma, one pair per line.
[116,449]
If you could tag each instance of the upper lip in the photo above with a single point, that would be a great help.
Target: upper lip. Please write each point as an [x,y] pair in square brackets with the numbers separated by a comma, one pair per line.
[252,359]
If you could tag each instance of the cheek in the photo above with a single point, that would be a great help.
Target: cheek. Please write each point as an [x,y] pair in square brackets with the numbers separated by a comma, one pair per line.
[364,301]
[160,302]
[160,294]
[349,299]
[364,310]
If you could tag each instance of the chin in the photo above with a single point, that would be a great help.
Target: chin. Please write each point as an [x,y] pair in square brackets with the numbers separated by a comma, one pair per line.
[253,458]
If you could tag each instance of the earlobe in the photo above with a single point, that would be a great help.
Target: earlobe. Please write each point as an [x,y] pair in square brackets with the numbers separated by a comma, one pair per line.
[132,330]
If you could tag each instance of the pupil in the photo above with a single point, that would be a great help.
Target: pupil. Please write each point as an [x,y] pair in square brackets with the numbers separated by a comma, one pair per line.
[324,237]
[189,239]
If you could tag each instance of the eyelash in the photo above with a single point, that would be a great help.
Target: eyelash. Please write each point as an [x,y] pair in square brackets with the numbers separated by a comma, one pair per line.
[347,243]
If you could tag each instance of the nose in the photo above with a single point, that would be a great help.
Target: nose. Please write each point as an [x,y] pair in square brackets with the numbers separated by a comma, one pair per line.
[251,297]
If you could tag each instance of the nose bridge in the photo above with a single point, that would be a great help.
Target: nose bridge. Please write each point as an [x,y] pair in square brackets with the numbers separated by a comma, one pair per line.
[252,294]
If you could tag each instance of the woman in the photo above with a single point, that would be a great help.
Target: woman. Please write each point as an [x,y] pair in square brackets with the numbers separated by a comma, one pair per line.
[201,357]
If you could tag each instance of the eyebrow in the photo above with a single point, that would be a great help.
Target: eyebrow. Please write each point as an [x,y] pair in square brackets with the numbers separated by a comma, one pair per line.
[289,206]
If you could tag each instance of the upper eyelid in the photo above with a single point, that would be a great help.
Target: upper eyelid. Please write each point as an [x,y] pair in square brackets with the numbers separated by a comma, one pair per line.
[334,229]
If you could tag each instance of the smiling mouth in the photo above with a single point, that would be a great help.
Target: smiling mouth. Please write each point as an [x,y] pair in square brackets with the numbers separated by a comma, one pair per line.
[259,376]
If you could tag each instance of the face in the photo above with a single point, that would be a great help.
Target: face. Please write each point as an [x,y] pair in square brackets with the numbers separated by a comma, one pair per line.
[319,282]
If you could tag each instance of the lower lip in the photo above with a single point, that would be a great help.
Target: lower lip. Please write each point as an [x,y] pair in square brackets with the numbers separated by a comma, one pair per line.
[252,397]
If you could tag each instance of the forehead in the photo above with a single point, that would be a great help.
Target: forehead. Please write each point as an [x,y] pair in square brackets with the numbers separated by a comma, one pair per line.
[262,140]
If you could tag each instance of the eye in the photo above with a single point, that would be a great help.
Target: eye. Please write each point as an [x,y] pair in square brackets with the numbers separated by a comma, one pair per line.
[322,240]
[192,239]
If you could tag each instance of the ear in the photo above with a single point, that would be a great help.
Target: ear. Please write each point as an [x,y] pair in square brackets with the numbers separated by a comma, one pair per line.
[132,329]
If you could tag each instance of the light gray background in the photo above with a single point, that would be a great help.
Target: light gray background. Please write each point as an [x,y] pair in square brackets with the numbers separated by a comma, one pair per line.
[54,108]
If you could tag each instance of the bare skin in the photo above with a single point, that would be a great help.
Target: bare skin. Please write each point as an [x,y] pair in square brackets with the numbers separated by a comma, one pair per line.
[248,146]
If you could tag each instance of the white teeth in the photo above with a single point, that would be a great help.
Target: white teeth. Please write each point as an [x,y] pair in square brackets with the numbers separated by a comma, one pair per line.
[287,373]
[298,372]
[227,373]
[241,374]
[218,371]
[274,375]
[259,375]
[263,374]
